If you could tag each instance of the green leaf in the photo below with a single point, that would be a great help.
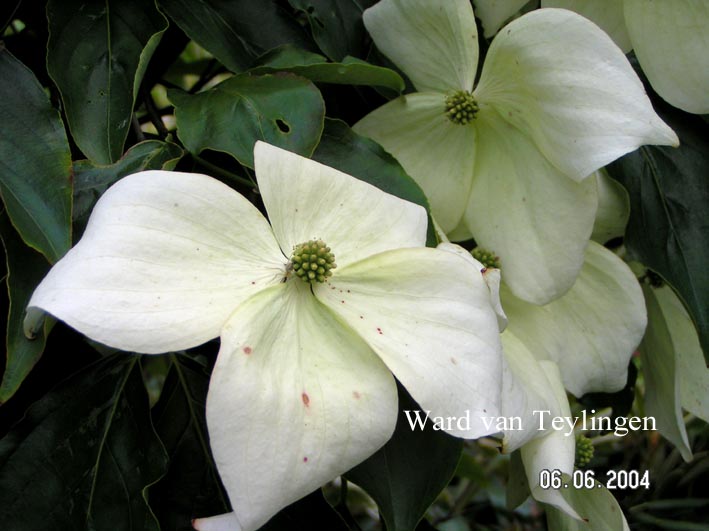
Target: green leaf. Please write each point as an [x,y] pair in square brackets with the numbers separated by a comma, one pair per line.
[668,230]
[25,269]
[84,455]
[336,25]
[597,506]
[235,31]
[315,67]
[282,109]
[517,484]
[35,163]
[97,54]
[345,150]
[410,471]
[191,487]
[91,181]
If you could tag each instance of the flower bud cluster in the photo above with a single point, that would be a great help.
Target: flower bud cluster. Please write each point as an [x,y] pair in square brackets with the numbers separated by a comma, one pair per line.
[313,261]
[461,107]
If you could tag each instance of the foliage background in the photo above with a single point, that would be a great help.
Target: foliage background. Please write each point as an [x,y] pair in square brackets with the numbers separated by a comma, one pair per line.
[94,439]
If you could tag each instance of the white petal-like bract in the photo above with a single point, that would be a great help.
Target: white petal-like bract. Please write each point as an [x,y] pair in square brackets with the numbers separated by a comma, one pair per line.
[164,260]
[427,314]
[590,332]
[306,200]
[608,14]
[671,40]
[554,451]
[564,82]
[295,399]
[494,13]
[435,42]
[435,152]
[528,213]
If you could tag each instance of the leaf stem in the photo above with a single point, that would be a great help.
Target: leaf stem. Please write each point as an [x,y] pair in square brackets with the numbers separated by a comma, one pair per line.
[153,114]
[224,173]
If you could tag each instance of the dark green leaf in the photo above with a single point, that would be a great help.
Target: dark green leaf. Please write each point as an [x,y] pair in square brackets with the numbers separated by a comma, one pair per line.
[35,163]
[409,472]
[345,150]
[311,512]
[25,269]
[668,230]
[97,54]
[337,25]
[235,31]
[517,484]
[315,67]
[282,109]
[191,487]
[90,180]
[84,455]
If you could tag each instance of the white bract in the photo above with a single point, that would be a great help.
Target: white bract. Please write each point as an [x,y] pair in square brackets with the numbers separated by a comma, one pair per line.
[494,13]
[507,162]
[670,40]
[302,389]
[581,342]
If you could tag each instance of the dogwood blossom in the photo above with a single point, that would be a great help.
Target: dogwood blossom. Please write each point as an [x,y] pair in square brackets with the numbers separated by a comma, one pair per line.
[507,162]
[315,311]
[670,40]
[581,343]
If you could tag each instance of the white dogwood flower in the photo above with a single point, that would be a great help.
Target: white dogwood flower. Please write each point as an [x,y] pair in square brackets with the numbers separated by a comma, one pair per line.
[302,389]
[581,343]
[507,162]
[670,40]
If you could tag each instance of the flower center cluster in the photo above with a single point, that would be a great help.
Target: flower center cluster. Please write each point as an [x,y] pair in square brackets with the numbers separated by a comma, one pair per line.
[486,258]
[461,107]
[312,261]
[584,451]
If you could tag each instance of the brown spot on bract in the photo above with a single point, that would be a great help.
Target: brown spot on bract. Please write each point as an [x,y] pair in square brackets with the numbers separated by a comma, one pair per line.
[247,350]
[379,330]
[305,459]
[356,395]
[453,361]
[343,302]
[361,317]
[253,283]
[306,399]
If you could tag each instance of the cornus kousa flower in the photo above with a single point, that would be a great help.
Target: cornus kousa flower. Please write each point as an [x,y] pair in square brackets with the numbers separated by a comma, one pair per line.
[581,342]
[507,162]
[670,40]
[315,312]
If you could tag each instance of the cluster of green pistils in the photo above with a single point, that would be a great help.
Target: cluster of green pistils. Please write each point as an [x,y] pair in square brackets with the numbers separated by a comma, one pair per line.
[486,258]
[461,107]
[584,451]
[313,261]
